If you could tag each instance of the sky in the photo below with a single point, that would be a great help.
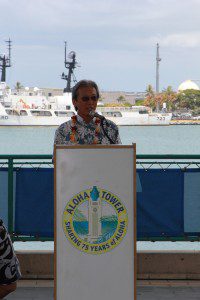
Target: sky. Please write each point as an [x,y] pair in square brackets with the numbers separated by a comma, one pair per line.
[115,41]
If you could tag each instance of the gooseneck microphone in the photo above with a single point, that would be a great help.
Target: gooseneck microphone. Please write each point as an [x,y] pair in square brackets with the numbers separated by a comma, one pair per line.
[93,114]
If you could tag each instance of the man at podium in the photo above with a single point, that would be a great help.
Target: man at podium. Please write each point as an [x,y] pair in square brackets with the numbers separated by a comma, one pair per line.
[87,127]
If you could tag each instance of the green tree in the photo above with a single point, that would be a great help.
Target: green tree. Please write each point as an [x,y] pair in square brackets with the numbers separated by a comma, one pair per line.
[127,104]
[18,86]
[149,91]
[189,99]
[121,99]
[139,102]
[168,90]
[168,96]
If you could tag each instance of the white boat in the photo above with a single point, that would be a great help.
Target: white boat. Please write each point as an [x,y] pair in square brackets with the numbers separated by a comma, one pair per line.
[49,117]
[33,117]
[24,109]
[135,115]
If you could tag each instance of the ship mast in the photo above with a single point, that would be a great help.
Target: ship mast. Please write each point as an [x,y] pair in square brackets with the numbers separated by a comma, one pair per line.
[70,65]
[5,62]
[158,59]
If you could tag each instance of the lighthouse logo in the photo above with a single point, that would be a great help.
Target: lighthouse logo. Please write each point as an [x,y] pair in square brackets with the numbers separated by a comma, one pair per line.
[95,221]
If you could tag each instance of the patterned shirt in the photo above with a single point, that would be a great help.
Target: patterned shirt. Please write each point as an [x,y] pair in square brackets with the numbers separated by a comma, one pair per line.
[85,133]
[9,264]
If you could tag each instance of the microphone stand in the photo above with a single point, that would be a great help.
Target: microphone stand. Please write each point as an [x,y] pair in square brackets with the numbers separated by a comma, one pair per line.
[104,131]
[102,119]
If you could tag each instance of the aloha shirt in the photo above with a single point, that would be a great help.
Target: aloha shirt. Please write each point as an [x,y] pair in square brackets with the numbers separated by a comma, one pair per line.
[85,133]
[9,264]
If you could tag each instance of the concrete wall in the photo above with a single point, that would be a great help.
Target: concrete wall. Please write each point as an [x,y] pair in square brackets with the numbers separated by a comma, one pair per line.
[169,265]
[150,265]
[36,264]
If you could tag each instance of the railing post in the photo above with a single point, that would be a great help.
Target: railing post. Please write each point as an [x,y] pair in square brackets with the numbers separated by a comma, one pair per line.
[10,195]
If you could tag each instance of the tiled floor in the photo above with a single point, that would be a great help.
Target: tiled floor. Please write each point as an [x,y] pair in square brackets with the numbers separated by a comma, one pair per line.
[146,290]
[30,293]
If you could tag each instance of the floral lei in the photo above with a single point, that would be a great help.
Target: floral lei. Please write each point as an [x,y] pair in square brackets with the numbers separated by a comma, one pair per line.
[74,130]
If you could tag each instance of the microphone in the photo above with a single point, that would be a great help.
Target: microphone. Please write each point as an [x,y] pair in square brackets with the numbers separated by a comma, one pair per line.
[93,114]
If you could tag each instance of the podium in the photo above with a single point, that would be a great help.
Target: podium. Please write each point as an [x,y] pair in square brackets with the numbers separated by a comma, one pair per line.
[95,222]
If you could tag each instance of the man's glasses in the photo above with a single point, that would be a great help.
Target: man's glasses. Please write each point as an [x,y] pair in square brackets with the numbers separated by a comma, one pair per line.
[86,98]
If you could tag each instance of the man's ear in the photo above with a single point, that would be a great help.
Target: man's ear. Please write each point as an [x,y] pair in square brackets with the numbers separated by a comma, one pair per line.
[74,101]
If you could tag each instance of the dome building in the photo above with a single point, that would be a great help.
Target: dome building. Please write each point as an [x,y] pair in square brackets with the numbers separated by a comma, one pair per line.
[188,85]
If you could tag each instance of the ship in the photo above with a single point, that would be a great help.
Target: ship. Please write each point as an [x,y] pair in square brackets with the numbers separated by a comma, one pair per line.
[35,109]
[121,116]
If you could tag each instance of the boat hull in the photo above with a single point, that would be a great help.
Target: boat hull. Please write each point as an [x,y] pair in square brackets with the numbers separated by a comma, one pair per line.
[32,121]
[127,120]
[140,121]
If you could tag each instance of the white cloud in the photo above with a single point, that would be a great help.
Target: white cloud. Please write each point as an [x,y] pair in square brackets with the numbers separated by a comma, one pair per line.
[106,34]
[52,14]
[187,39]
[177,40]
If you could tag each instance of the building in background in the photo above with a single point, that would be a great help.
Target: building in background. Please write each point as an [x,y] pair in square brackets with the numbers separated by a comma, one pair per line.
[188,85]
[105,96]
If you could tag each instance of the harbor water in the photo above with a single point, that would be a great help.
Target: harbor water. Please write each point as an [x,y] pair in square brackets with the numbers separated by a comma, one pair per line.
[173,139]
[176,139]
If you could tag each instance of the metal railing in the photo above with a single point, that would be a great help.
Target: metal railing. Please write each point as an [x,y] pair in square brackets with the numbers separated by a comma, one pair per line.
[147,162]
[17,161]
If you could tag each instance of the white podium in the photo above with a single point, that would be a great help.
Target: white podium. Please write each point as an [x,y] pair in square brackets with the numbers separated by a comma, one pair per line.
[95,222]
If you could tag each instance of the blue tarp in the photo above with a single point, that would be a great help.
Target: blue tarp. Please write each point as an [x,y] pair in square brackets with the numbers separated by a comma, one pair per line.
[160,203]
[4,194]
[34,202]
[192,202]
[167,202]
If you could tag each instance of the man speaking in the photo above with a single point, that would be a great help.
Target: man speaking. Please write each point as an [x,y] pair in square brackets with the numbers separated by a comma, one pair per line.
[87,127]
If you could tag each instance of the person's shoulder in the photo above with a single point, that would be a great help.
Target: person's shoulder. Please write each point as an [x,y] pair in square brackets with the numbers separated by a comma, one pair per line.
[64,126]
[111,124]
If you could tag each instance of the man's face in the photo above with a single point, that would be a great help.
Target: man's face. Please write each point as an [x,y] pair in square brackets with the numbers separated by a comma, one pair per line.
[86,101]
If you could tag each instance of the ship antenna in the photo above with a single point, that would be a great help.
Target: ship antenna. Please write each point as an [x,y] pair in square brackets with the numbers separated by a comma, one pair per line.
[65,53]
[158,60]
[5,61]
[70,65]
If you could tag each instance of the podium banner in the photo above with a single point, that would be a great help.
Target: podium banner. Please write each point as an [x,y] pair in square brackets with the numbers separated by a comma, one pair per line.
[95,222]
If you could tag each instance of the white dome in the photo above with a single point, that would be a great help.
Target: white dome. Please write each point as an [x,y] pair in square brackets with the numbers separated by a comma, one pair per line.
[188,85]
[26,88]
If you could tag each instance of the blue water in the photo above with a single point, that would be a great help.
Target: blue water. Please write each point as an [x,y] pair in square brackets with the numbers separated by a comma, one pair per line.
[149,140]
[176,139]
[82,227]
